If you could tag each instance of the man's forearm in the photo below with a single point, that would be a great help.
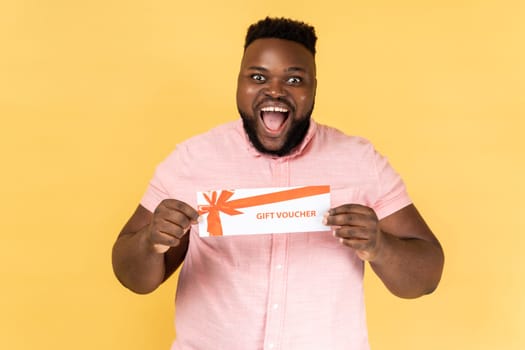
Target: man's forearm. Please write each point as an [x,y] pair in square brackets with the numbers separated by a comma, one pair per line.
[136,264]
[409,268]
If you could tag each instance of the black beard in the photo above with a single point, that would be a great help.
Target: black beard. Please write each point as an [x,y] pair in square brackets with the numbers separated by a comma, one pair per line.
[295,136]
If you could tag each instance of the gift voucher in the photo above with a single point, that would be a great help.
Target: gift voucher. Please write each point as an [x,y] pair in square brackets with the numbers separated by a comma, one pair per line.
[263,210]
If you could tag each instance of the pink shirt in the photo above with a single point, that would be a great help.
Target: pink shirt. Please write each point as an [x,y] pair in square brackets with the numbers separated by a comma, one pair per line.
[295,291]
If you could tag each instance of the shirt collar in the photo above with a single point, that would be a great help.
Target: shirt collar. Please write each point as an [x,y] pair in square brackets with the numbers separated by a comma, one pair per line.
[295,153]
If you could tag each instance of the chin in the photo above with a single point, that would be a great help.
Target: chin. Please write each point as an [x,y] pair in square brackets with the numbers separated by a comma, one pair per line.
[291,137]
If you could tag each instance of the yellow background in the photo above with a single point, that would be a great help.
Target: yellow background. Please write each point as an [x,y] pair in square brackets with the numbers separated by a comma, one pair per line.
[93,94]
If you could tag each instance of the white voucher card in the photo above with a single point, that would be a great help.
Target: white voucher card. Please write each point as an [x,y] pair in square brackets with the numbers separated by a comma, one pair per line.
[263,210]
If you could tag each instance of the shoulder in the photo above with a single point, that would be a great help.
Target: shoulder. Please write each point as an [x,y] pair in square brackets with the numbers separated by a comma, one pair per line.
[331,138]
[219,134]
[210,147]
[221,138]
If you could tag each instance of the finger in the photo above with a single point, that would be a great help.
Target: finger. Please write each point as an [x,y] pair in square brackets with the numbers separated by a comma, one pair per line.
[163,238]
[351,208]
[170,228]
[356,244]
[169,210]
[364,250]
[349,219]
[178,219]
[161,248]
[352,233]
[182,207]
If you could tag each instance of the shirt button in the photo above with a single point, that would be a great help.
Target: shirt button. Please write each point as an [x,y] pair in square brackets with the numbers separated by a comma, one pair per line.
[279,267]
[275,306]
[271,345]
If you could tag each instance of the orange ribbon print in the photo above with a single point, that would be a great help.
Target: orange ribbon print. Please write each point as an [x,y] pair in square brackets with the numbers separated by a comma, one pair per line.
[219,203]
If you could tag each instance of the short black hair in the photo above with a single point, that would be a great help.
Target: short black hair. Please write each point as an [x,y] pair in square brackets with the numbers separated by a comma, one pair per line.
[282,28]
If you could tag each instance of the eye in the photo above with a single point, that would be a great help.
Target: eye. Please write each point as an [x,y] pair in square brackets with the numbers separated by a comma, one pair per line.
[294,80]
[259,78]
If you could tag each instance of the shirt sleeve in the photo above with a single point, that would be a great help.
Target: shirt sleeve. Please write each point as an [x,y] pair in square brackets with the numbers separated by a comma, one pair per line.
[392,193]
[157,189]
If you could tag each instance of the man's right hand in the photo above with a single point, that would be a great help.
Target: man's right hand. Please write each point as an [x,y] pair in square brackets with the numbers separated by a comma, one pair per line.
[142,258]
[171,221]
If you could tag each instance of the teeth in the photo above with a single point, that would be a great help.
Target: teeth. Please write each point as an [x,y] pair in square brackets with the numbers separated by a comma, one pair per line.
[274,109]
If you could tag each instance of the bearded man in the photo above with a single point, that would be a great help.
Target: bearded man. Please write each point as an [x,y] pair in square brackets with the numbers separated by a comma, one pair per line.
[277,291]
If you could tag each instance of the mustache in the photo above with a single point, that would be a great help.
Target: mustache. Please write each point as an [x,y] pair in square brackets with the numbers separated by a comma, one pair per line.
[281,100]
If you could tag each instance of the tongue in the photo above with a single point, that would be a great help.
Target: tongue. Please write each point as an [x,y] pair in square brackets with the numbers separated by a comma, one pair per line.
[273,120]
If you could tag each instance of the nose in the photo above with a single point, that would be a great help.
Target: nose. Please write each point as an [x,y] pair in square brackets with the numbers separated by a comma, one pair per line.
[275,89]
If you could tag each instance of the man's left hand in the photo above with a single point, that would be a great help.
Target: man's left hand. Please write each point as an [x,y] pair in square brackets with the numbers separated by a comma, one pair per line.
[356,226]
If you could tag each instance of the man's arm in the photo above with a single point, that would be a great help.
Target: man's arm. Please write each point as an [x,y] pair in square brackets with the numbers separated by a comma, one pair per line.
[401,248]
[151,246]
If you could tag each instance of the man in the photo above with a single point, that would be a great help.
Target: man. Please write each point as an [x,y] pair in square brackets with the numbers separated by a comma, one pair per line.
[280,291]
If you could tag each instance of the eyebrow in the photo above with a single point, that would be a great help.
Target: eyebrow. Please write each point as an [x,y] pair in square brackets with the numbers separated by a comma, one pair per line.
[289,69]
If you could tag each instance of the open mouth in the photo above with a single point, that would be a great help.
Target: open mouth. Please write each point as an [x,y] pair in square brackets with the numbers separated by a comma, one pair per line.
[274,118]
